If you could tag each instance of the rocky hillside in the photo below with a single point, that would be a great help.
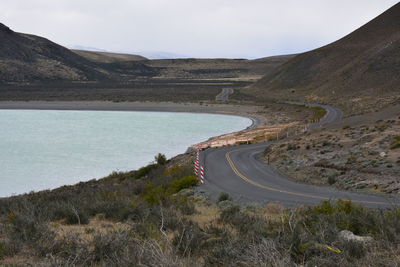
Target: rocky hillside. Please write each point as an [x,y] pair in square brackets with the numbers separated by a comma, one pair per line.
[30,58]
[362,68]
[358,153]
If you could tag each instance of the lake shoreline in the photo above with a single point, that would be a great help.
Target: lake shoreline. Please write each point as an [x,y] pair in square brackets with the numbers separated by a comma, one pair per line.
[108,107]
[247,111]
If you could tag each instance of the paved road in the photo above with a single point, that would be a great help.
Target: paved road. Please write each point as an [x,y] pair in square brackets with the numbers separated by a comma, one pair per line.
[332,114]
[224,95]
[238,171]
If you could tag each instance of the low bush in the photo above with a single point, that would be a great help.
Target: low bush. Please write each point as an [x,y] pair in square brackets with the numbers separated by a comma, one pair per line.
[292,147]
[319,113]
[189,239]
[150,225]
[154,195]
[332,179]
[351,160]
[145,170]
[160,159]
[224,196]
[110,245]
[395,142]
[4,250]
[182,183]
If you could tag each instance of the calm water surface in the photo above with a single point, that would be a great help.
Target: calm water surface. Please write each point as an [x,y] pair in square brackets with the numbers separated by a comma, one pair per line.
[46,149]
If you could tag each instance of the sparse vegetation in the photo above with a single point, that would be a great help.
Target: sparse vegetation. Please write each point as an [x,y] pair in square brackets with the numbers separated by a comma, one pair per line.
[160,159]
[224,196]
[125,220]
[331,179]
[319,113]
[395,142]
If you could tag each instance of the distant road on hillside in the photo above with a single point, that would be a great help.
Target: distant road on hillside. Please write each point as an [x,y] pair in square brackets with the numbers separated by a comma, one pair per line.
[332,114]
[224,95]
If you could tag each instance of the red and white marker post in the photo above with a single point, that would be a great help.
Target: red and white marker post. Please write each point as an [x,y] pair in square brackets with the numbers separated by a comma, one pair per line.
[198,169]
[202,175]
[197,163]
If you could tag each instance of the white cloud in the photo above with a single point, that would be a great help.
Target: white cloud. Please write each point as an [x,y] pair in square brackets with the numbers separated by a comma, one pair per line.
[207,28]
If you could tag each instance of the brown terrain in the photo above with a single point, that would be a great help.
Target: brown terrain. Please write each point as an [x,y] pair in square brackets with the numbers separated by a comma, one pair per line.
[357,153]
[154,217]
[224,69]
[34,68]
[362,68]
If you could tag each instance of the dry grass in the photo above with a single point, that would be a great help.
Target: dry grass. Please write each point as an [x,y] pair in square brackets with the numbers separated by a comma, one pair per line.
[205,214]
[96,225]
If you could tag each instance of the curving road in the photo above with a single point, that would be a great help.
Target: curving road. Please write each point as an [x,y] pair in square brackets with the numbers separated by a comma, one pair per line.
[238,171]
[332,114]
[224,95]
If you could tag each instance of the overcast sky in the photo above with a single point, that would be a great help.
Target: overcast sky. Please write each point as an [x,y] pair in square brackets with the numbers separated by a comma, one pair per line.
[193,28]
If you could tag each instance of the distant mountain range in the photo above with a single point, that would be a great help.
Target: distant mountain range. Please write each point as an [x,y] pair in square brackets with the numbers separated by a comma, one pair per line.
[361,69]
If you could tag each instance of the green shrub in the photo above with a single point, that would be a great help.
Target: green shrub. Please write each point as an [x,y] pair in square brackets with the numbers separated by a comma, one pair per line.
[351,160]
[319,113]
[326,207]
[395,142]
[326,143]
[154,194]
[3,250]
[160,159]
[224,196]
[182,183]
[332,179]
[292,147]
[145,170]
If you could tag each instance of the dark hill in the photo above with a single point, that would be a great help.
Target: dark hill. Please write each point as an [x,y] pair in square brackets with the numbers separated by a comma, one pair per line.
[30,58]
[360,70]
[25,57]
[34,68]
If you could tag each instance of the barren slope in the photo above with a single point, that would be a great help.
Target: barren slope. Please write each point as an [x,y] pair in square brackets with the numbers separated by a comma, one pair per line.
[106,57]
[27,58]
[362,68]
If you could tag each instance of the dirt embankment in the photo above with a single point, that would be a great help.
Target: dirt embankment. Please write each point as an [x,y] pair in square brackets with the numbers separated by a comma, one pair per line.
[272,122]
[361,153]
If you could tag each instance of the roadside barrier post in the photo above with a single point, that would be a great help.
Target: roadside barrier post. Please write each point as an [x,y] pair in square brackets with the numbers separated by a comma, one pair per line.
[202,175]
[196,163]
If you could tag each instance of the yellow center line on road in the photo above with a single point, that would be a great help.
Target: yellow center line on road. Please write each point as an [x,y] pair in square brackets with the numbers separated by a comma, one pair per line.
[250,181]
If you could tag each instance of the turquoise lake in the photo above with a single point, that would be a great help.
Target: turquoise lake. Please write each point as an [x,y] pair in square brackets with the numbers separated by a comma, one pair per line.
[42,149]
